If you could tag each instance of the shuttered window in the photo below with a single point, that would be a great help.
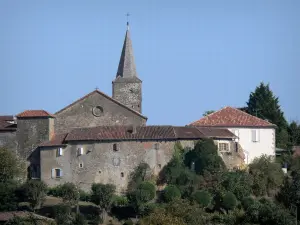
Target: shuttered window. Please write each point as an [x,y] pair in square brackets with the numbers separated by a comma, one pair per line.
[56,173]
[255,135]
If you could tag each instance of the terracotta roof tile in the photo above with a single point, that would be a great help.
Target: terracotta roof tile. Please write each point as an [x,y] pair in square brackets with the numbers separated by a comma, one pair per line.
[57,140]
[106,133]
[231,117]
[34,113]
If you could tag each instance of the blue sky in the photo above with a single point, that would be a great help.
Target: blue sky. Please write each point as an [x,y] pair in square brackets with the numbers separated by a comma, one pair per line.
[192,56]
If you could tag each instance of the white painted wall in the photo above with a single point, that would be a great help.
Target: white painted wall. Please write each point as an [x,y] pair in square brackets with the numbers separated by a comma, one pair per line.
[264,145]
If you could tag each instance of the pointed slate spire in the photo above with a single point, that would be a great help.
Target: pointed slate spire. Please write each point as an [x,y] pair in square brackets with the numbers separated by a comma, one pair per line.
[126,67]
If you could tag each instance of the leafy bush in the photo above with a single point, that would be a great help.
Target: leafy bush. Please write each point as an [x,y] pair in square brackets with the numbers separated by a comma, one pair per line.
[119,200]
[229,201]
[267,176]
[247,202]
[35,191]
[55,191]
[69,193]
[79,220]
[205,157]
[84,196]
[62,214]
[170,193]
[145,192]
[239,183]
[8,198]
[203,198]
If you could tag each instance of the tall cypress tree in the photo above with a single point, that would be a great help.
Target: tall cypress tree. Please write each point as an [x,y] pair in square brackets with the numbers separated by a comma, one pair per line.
[265,105]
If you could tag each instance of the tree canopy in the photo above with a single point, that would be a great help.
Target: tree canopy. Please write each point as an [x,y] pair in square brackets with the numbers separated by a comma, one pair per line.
[265,105]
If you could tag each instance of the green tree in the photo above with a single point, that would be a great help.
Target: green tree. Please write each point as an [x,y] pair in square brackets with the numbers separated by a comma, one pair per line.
[204,157]
[102,195]
[294,133]
[170,193]
[267,176]
[8,198]
[70,194]
[35,192]
[11,166]
[239,183]
[206,113]
[202,197]
[264,104]
[140,174]
[229,201]
[63,214]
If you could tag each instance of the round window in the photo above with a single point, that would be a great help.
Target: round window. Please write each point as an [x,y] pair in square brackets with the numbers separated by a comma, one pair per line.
[97,111]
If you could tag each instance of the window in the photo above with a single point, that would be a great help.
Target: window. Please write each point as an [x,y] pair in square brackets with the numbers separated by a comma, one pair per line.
[255,136]
[159,166]
[115,147]
[59,152]
[80,151]
[122,174]
[57,173]
[80,165]
[156,146]
[223,147]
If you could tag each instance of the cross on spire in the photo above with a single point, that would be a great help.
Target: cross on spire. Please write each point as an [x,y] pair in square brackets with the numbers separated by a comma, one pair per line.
[127,15]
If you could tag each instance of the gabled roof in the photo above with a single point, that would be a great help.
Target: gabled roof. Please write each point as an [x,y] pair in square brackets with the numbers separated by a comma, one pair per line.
[34,113]
[142,133]
[106,96]
[231,117]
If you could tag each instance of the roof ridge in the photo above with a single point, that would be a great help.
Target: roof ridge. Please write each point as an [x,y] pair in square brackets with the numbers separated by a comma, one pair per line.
[241,111]
[208,115]
[105,95]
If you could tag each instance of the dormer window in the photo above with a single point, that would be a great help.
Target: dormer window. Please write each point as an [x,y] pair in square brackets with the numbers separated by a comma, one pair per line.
[80,151]
[59,152]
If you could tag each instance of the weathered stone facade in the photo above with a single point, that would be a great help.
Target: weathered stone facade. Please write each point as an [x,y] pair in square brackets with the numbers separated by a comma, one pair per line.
[107,154]
[96,109]
[31,132]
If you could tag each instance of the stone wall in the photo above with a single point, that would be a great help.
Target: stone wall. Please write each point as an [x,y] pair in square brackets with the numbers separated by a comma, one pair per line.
[128,93]
[102,164]
[8,140]
[95,110]
[30,133]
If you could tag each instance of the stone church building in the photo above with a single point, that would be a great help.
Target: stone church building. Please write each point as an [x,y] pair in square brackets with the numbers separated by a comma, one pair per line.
[99,138]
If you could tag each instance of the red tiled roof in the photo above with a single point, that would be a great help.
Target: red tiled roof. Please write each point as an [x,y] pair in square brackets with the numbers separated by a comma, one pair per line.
[231,117]
[144,133]
[34,113]
[57,140]
[106,96]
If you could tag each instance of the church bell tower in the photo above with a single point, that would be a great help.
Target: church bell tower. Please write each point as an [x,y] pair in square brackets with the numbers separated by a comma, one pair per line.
[127,87]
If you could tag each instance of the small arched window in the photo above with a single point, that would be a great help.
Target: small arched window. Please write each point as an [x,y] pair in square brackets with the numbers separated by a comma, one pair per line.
[122,174]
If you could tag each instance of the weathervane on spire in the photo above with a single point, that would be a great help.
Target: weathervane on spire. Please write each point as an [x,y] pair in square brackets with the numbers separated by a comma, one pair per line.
[127,15]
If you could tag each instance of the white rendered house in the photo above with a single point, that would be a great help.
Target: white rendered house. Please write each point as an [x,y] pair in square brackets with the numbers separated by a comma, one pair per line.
[256,136]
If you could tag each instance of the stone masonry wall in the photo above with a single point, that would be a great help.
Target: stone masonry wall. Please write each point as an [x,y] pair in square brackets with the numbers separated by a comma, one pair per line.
[102,164]
[129,93]
[8,140]
[95,110]
[30,133]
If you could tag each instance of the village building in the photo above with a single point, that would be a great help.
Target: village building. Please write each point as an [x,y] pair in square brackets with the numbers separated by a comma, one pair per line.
[256,136]
[99,138]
